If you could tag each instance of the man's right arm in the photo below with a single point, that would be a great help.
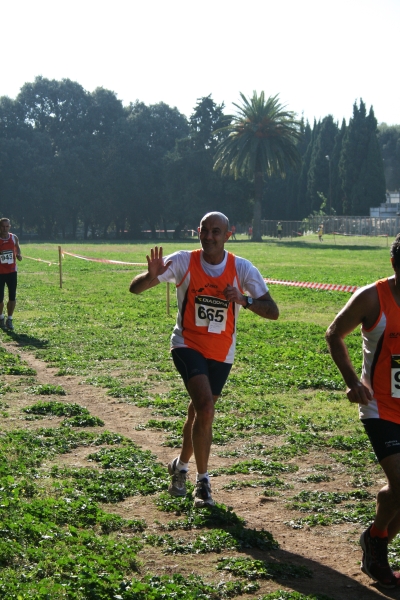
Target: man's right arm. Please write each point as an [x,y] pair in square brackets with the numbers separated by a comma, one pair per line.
[149,279]
[142,282]
[361,308]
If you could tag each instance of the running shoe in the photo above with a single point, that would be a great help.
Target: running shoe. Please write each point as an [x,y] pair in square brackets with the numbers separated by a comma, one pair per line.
[2,323]
[375,562]
[177,486]
[202,494]
[9,324]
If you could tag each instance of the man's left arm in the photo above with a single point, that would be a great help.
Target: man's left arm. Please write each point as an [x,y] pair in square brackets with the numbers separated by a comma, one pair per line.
[263,306]
[18,249]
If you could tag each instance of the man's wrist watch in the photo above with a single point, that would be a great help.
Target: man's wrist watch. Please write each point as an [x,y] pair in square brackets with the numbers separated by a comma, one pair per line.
[249,302]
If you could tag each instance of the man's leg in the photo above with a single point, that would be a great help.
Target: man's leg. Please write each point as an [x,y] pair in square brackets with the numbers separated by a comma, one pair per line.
[385,439]
[374,540]
[11,283]
[11,307]
[388,498]
[2,284]
[192,438]
[197,431]
[394,527]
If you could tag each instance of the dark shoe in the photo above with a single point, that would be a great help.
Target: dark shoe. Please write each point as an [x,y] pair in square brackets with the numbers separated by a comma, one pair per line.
[375,560]
[202,494]
[178,480]
[2,323]
[9,324]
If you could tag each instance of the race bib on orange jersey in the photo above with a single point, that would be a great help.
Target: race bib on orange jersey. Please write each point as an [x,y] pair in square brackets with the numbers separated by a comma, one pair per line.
[211,312]
[395,376]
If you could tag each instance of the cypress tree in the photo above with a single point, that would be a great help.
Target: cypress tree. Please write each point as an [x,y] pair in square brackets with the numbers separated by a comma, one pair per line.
[361,165]
[371,186]
[281,194]
[318,180]
[304,208]
[389,141]
[336,189]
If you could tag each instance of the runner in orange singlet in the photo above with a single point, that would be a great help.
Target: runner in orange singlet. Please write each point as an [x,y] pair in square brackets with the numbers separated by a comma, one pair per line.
[211,285]
[376,308]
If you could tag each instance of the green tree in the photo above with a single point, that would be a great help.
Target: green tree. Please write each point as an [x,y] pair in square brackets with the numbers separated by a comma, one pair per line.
[281,195]
[23,179]
[261,140]
[304,208]
[336,189]
[12,120]
[155,129]
[319,174]
[389,140]
[361,166]
[193,187]
[59,108]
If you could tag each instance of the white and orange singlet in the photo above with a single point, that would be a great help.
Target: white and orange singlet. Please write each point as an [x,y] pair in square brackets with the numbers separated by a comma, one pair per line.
[381,359]
[206,321]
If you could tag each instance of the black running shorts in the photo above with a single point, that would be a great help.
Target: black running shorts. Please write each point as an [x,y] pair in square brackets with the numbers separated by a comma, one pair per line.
[190,363]
[384,437]
[10,280]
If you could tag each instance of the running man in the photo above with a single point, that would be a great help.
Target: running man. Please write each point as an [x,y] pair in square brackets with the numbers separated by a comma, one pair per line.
[376,308]
[211,285]
[10,252]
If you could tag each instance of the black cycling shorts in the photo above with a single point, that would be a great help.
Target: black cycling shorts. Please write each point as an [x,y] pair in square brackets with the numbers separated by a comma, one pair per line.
[190,363]
[384,437]
[10,280]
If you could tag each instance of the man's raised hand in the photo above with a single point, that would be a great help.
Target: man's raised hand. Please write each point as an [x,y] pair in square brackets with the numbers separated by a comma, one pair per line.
[155,262]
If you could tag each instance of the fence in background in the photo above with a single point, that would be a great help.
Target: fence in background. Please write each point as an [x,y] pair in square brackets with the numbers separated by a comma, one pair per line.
[368,226]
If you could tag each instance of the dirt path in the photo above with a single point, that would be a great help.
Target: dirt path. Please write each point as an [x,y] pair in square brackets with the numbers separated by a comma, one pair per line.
[332,553]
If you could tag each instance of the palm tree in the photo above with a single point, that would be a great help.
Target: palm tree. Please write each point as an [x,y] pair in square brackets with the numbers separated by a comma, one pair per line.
[261,139]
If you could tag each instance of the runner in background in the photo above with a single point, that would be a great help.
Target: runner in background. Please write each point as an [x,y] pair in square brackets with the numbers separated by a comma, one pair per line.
[10,252]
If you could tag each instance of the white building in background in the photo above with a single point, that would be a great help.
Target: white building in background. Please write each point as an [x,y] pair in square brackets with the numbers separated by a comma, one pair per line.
[390,208]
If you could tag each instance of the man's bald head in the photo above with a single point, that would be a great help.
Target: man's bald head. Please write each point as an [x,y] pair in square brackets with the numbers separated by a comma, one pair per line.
[217,215]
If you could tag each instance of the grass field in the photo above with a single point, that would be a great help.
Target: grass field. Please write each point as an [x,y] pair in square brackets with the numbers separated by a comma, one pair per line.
[283,400]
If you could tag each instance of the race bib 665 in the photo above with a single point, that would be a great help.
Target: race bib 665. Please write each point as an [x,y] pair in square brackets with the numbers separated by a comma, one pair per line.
[211,312]
[395,375]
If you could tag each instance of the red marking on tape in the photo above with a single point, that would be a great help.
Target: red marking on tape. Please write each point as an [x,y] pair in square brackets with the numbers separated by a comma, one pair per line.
[316,286]
[40,260]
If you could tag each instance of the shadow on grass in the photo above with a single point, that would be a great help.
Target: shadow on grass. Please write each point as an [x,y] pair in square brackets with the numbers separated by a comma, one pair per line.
[324,580]
[315,578]
[27,341]
[289,569]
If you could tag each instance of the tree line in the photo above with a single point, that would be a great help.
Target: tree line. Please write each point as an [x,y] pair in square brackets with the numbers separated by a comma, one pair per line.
[70,160]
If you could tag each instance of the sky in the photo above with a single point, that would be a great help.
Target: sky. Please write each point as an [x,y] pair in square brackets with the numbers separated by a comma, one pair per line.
[319,57]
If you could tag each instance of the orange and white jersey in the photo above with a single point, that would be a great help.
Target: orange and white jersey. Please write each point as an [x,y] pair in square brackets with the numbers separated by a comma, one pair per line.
[206,321]
[381,359]
[8,251]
